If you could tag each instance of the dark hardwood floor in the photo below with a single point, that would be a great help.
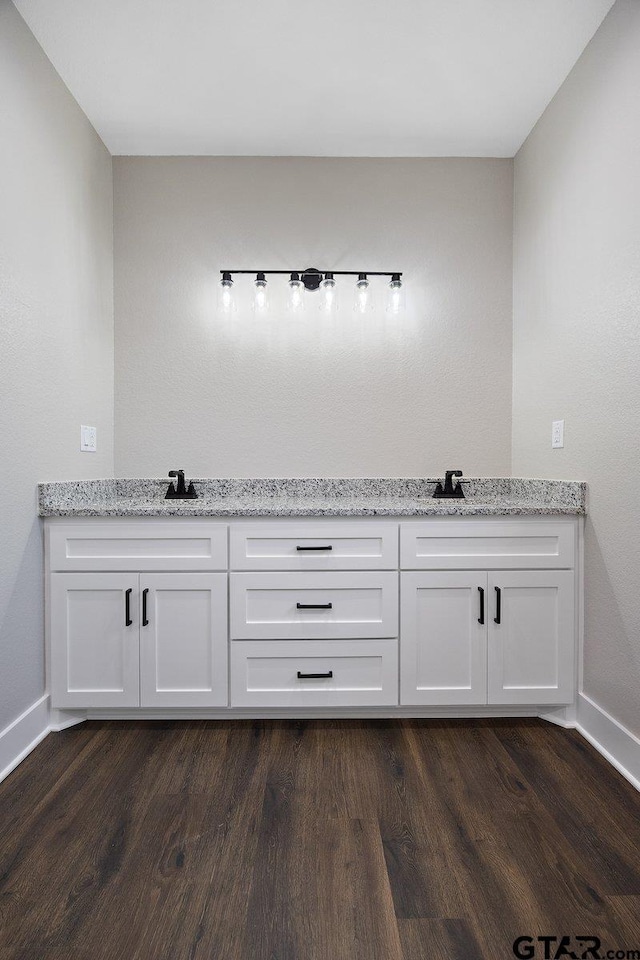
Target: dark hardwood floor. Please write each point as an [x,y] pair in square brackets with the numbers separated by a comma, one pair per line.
[315,840]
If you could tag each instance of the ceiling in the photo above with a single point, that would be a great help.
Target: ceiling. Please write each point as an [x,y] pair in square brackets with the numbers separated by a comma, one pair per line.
[291,78]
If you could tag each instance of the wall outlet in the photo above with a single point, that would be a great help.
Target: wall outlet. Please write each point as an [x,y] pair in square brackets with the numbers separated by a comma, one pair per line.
[557,433]
[88,439]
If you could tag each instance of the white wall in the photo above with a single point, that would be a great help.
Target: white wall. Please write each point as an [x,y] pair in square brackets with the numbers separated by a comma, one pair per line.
[56,330]
[577,333]
[313,397]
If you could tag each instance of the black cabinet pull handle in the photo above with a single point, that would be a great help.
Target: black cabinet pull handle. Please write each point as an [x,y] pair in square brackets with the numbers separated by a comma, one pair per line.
[329,547]
[315,676]
[145,622]
[127,608]
[314,606]
[496,619]
[481,617]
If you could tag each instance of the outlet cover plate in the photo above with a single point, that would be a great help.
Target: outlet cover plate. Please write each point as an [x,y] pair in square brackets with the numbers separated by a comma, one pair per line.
[88,439]
[557,434]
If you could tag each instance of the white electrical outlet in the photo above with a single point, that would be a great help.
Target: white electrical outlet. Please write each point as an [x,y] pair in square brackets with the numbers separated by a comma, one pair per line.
[557,433]
[88,439]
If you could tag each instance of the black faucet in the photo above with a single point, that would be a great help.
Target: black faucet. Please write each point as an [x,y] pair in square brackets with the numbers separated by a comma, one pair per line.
[449,491]
[180,492]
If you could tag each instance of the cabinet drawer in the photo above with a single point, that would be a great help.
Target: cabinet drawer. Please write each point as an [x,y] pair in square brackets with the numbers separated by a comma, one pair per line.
[353,673]
[480,545]
[111,545]
[313,605]
[314,546]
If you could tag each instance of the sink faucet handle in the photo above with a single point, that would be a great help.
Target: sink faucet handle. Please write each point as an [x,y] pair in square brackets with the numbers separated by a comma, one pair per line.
[448,490]
[179,489]
[448,480]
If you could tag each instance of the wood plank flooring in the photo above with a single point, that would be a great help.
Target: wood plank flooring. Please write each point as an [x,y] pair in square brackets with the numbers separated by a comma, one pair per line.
[315,840]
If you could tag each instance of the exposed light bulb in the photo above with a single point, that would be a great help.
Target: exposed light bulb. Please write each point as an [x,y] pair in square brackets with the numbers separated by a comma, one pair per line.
[226,300]
[363,295]
[261,299]
[396,296]
[328,303]
[296,295]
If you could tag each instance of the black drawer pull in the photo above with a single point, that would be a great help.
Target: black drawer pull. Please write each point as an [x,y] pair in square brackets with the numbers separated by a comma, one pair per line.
[315,676]
[145,622]
[497,618]
[127,608]
[481,617]
[314,606]
[329,547]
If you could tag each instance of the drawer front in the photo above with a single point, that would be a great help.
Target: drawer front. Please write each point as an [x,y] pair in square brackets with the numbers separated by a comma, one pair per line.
[110,545]
[314,674]
[314,546]
[272,606]
[469,545]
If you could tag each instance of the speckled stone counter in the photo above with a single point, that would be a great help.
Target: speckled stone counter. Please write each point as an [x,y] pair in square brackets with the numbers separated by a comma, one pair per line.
[311,497]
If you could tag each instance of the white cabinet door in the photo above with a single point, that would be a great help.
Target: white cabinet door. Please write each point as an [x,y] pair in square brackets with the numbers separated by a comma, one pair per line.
[443,638]
[183,639]
[94,643]
[531,636]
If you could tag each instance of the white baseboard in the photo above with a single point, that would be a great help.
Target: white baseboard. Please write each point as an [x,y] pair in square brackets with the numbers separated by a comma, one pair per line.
[616,744]
[23,735]
[309,713]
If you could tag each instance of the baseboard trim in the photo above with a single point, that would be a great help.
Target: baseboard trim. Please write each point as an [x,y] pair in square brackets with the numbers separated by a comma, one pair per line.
[616,744]
[609,737]
[23,735]
[310,713]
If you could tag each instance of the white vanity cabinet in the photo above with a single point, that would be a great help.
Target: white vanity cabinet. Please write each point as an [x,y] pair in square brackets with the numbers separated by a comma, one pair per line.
[322,613]
[125,634]
[484,635]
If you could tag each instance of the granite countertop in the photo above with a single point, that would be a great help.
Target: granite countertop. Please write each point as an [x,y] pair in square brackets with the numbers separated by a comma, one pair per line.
[311,497]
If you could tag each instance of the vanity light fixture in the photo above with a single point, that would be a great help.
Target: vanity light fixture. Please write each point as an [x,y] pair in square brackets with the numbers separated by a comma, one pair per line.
[312,279]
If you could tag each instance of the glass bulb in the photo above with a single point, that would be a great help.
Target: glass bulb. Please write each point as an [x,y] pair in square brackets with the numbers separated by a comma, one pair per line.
[261,298]
[226,300]
[396,296]
[328,303]
[363,295]
[296,295]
